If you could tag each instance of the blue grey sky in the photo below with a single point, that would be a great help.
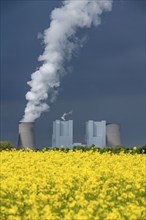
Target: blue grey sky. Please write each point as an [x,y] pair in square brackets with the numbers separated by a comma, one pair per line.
[107,77]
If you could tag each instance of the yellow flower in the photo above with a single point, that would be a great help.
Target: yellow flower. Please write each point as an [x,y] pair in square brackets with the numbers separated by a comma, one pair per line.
[53,185]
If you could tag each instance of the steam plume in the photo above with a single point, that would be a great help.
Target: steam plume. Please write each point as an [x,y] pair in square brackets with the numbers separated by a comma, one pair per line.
[65,114]
[60,42]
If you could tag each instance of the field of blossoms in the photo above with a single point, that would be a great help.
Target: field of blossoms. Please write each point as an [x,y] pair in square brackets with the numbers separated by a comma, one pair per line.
[76,185]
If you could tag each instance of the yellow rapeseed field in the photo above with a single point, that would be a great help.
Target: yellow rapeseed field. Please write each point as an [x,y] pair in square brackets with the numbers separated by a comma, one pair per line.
[77,185]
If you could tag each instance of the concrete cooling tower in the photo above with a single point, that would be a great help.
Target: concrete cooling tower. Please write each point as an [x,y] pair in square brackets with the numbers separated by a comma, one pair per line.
[26,135]
[113,135]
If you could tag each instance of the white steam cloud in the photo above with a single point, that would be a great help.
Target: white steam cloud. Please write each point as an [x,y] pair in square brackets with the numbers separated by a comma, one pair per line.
[60,42]
[65,114]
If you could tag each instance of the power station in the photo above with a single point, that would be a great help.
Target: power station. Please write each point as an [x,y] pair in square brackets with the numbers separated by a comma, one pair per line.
[98,133]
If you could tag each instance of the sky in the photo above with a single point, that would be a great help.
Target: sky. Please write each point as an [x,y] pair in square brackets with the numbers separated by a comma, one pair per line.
[105,80]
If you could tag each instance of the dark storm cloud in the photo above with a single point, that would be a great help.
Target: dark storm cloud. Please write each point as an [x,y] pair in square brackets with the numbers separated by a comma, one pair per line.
[138,4]
[107,80]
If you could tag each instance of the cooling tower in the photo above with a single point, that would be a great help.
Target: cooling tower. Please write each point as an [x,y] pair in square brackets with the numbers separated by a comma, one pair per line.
[26,135]
[112,135]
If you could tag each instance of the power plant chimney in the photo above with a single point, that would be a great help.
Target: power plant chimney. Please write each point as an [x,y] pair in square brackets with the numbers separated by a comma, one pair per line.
[26,135]
[113,135]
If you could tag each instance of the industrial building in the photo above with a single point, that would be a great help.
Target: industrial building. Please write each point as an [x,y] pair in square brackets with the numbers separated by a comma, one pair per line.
[96,133]
[62,133]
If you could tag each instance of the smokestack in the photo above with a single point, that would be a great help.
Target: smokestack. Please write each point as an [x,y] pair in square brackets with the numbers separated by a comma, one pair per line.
[113,135]
[26,135]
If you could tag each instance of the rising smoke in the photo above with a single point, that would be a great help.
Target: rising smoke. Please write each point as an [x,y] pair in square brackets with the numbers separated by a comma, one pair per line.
[65,114]
[60,42]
